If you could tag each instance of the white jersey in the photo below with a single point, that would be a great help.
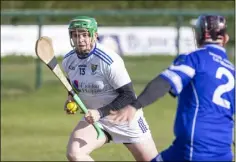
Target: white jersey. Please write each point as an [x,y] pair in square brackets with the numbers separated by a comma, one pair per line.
[96,78]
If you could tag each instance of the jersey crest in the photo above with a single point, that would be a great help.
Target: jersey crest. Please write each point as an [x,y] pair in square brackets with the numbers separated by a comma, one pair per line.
[94,68]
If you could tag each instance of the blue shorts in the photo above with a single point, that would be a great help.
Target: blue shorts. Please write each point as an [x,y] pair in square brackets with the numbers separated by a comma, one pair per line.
[175,154]
[157,158]
[169,155]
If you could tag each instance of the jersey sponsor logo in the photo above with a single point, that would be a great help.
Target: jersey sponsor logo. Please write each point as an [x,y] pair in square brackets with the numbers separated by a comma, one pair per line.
[82,65]
[75,85]
[71,67]
[89,87]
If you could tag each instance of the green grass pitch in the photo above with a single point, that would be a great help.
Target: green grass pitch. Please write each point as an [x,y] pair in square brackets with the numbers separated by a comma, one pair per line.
[34,126]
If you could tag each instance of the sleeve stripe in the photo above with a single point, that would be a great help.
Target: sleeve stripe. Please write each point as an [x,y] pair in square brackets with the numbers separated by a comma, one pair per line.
[175,78]
[104,54]
[173,89]
[70,53]
[184,69]
[102,58]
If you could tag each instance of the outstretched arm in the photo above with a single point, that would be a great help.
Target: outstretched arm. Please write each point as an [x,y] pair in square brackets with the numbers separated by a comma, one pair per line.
[171,80]
[154,90]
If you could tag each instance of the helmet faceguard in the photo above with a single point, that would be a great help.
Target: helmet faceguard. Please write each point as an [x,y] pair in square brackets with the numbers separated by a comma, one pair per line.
[83,22]
[210,29]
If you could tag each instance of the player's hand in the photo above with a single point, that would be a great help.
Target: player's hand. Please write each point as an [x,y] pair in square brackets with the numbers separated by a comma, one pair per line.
[92,116]
[125,114]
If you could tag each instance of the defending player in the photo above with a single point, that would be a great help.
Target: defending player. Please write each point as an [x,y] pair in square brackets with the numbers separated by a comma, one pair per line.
[204,82]
[99,76]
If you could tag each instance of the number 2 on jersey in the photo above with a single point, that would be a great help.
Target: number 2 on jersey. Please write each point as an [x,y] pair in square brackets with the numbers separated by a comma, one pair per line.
[223,88]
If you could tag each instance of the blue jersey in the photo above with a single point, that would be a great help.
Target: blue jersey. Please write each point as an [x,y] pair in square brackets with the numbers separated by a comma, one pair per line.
[204,82]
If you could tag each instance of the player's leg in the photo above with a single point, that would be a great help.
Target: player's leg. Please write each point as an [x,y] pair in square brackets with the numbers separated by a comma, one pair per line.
[144,150]
[136,136]
[137,146]
[83,141]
